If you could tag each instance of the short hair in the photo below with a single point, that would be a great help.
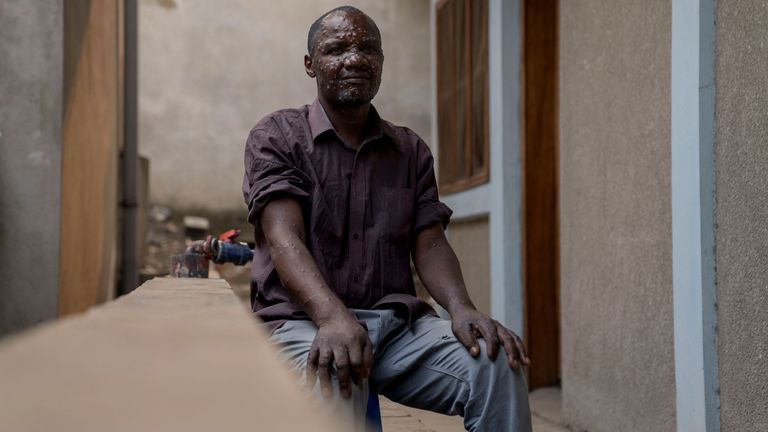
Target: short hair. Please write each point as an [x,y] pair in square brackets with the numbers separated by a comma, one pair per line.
[315,27]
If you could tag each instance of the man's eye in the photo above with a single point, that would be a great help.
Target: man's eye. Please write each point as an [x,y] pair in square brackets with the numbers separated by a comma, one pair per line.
[334,51]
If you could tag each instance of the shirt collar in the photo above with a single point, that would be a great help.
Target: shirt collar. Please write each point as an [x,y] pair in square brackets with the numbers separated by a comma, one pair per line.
[319,123]
[318,120]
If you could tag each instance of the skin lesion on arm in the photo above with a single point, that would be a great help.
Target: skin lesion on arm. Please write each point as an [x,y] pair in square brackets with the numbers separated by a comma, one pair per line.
[340,340]
[283,225]
[439,269]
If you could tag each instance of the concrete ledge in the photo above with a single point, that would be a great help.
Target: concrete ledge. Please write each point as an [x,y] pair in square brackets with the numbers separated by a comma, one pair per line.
[176,354]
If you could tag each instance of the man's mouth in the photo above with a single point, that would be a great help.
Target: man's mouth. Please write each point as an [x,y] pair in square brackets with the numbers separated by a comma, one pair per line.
[355,78]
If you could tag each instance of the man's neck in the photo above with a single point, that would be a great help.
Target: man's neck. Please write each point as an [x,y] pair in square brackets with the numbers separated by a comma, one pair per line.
[349,122]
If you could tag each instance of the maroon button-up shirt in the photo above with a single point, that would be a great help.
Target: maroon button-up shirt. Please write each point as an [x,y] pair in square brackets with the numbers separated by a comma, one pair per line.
[362,208]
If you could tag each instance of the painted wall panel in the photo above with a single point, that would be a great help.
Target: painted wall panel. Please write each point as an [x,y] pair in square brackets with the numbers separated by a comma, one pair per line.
[615,217]
[471,242]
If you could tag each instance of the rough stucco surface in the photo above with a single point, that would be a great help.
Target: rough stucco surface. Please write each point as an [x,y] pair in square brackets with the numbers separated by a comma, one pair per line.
[471,241]
[209,70]
[30,160]
[616,285]
[741,154]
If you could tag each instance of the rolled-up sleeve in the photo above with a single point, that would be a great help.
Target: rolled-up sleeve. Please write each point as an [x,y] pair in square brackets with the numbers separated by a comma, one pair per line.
[270,171]
[429,209]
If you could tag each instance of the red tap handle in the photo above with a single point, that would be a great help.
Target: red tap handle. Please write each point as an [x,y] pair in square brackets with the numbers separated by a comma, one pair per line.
[229,236]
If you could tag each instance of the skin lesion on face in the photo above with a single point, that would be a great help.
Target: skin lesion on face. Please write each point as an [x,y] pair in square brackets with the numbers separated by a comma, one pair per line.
[346,60]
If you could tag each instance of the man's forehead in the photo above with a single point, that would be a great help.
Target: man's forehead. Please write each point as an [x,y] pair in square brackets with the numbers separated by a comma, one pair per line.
[342,37]
[343,24]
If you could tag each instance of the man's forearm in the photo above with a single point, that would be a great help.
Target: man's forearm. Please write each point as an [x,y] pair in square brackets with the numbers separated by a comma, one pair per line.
[282,223]
[340,341]
[439,270]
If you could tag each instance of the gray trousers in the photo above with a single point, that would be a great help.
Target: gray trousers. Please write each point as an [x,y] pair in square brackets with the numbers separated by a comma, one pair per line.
[424,367]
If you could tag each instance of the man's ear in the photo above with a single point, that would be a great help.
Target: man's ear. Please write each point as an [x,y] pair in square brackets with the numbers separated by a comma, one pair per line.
[308,66]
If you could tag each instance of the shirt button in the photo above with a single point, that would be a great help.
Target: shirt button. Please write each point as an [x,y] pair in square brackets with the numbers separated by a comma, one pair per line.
[355,236]
[356,279]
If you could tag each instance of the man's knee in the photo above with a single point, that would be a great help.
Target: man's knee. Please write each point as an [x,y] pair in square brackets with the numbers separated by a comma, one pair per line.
[488,374]
[497,393]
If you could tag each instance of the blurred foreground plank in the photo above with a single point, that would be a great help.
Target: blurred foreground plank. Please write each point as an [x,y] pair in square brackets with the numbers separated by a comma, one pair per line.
[176,354]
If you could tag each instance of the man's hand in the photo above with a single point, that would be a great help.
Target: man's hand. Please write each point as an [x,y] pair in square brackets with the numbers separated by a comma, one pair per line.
[344,343]
[468,324]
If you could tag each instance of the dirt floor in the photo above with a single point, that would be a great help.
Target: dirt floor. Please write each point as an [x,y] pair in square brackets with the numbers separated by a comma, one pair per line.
[545,415]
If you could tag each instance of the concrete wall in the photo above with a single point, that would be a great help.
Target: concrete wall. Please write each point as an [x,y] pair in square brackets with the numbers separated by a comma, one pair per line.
[183,354]
[616,292]
[470,239]
[30,159]
[209,70]
[741,155]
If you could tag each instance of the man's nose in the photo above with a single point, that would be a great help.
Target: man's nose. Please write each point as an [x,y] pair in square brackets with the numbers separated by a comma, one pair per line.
[355,60]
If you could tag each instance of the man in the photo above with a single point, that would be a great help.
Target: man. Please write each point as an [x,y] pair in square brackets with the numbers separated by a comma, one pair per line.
[340,200]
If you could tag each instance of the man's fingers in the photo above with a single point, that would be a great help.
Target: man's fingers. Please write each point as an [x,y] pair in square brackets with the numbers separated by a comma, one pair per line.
[488,331]
[311,369]
[368,358]
[467,338]
[341,359]
[324,371]
[522,350]
[356,363]
[514,346]
[509,346]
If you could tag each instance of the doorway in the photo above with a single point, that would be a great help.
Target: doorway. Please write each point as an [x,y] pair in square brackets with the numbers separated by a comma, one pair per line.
[541,261]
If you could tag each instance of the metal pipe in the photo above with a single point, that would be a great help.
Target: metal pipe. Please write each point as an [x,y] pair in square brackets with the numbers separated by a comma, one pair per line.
[130,204]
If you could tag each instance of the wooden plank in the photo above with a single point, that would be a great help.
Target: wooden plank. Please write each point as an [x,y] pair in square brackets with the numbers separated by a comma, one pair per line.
[91,137]
[540,209]
[485,171]
[444,96]
[452,146]
[176,354]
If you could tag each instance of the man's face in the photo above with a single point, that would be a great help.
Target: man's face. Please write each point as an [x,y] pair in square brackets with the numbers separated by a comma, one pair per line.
[347,60]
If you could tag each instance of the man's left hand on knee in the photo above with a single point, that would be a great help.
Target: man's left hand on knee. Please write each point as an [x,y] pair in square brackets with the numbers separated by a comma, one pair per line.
[469,325]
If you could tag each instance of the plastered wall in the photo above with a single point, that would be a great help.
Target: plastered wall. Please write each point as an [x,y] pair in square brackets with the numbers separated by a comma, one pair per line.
[470,239]
[741,155]
[209,70]
[30,160]
[616,272]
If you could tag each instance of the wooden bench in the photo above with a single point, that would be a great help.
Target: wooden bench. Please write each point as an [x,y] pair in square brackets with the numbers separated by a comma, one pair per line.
[176,354]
